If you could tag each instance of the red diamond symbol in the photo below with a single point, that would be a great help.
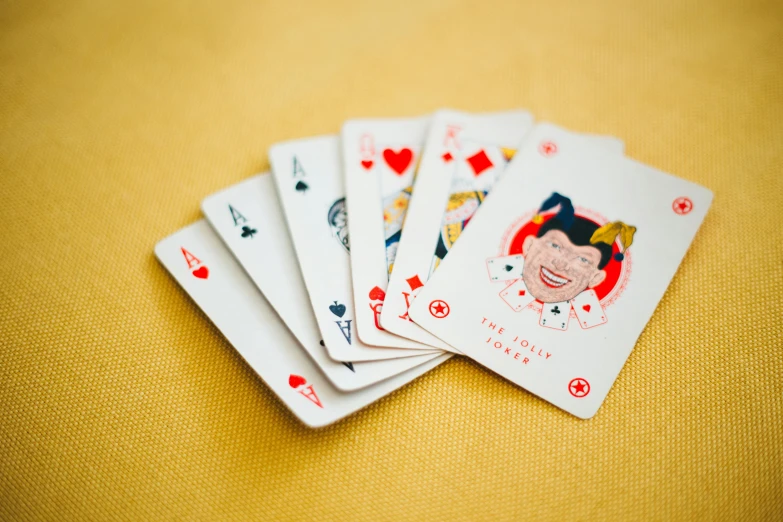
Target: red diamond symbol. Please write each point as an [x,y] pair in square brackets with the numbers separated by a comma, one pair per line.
[447,157]
[479,162]
[414,282]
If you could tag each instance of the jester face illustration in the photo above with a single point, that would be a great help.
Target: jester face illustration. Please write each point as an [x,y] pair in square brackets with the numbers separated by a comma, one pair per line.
[569,253]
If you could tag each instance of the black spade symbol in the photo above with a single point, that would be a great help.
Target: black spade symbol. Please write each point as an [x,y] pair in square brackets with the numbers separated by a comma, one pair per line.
[301,186]
[337,309]
[509,268]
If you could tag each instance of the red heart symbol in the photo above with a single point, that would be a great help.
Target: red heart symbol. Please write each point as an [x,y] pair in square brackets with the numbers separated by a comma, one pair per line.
[201,272]
[398,161]
[367,164]
[586,308]
[376,294]
[295,381]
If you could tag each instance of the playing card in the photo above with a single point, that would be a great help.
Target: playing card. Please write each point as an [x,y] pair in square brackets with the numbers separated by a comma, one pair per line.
[504,268]
[555,315]
[464,156]
[310,184]
[379,161]
[516,295]
[477,149]
[583,220]
[248,218]
[204,268]
[588,310]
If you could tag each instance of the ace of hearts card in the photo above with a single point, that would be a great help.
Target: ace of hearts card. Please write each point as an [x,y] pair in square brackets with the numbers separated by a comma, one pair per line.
[205,269]
[600,236]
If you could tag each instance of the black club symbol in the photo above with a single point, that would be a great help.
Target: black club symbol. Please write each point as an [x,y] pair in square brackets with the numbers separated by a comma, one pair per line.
[555,310]
[248,232]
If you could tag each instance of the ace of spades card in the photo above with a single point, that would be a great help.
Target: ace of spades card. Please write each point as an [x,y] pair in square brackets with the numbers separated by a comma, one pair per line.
[379,161]
[601,236]
[310,184]
[205,269]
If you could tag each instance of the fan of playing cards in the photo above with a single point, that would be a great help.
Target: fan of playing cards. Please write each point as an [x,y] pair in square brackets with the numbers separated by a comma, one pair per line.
[367,259]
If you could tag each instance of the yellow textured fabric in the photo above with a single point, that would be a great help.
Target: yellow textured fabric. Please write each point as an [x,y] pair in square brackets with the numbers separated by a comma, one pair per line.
[120,400]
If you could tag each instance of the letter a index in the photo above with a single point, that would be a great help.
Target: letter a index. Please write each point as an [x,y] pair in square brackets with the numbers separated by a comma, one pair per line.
[190,258]
[298,170]
[236,216]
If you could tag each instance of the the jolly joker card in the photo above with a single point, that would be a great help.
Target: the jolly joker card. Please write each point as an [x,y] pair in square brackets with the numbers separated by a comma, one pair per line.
[600,236]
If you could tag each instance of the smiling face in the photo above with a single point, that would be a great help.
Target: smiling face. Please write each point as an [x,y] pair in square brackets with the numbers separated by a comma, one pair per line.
[556,270]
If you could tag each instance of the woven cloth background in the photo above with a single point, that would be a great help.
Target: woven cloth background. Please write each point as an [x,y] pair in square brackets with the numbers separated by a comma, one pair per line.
[119,399]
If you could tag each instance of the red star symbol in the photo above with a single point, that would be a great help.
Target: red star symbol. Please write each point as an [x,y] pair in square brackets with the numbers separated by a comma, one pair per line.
[439,309]
[548,148]
[578,387]
[682,206]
